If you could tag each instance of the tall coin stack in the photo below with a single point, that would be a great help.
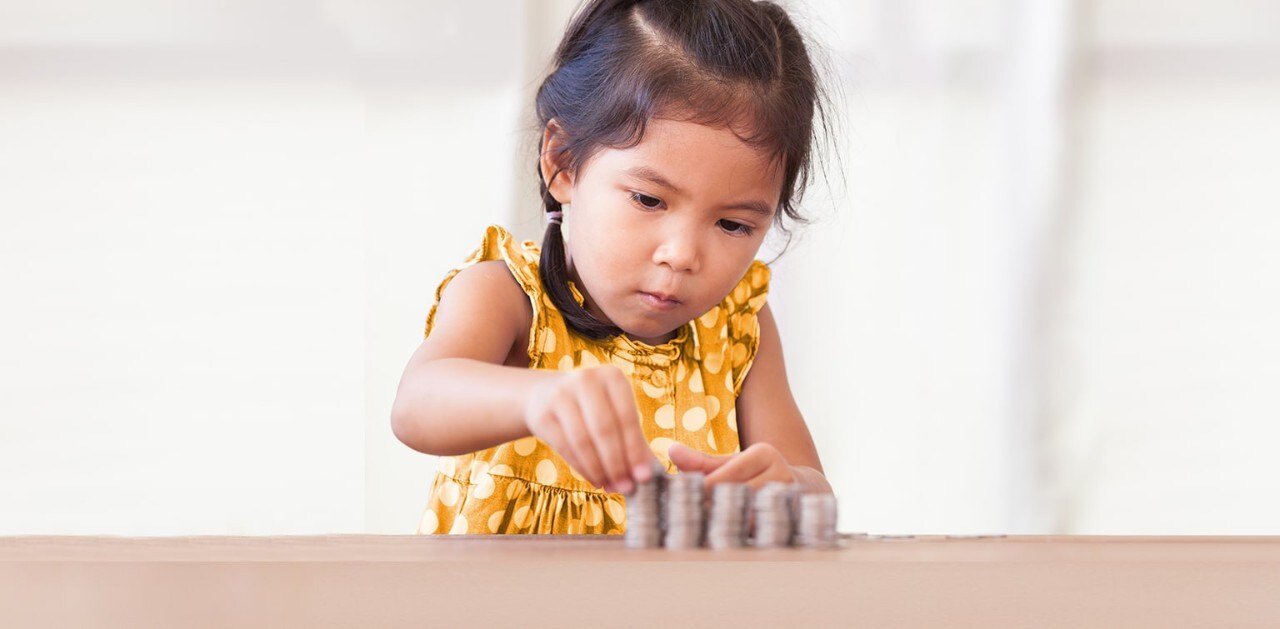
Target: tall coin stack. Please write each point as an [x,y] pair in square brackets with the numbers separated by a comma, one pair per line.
[684,516]
[772,516]
[727,522]
[817,527]
[644,524]
[794,491]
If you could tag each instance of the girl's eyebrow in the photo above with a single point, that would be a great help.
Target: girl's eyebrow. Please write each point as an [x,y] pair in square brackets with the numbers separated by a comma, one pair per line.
[653,176]
[648,174]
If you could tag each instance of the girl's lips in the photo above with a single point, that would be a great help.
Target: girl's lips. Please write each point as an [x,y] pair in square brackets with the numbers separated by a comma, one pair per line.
[659,302]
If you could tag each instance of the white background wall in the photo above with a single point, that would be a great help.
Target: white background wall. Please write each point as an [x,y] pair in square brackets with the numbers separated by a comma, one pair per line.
[1040,299]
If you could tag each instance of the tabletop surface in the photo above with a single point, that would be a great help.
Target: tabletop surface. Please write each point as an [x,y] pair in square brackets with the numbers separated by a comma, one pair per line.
[589,548]
[558,581]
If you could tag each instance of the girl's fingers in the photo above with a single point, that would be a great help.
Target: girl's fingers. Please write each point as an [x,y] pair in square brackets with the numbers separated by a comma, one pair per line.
[639,457]
[602,422]
[742,467]
[690,460]
[580,443]
[553,435]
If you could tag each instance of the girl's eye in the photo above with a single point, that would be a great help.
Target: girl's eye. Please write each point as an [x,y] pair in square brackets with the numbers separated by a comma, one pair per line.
[735,228]
[646,201]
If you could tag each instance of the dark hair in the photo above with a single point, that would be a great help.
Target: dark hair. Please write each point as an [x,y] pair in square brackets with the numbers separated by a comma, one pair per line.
[737,63]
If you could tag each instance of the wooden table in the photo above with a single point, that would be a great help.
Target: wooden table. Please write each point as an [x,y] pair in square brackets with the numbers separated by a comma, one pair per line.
[532,581]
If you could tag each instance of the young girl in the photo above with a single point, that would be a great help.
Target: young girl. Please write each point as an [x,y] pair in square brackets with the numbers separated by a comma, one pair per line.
[675,133]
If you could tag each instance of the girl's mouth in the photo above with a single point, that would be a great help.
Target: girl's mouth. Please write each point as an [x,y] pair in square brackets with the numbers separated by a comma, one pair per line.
[659,301]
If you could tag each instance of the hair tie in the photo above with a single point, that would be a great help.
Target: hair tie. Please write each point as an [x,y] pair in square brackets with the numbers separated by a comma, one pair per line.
[555,217]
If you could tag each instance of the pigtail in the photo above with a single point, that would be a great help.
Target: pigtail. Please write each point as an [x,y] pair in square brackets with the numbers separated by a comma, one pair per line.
[554,272]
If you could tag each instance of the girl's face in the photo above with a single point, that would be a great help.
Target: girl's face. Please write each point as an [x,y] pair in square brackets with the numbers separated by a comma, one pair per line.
[660,233]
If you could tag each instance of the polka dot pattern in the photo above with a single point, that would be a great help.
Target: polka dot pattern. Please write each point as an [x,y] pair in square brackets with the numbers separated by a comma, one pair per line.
[548,337]
[484,488]
[660,446]
[652,391]
[694,419]
[695,382]
[546,472]
[710,319]
[430,523]
[665,417]
[525,446]
[593,515]
[627,367]
[713,405]
[616,510]
[685,391]
[449,494]
[523,517]
[714,362]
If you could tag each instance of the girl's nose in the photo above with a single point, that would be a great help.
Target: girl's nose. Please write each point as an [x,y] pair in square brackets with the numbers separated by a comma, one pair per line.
[678,251]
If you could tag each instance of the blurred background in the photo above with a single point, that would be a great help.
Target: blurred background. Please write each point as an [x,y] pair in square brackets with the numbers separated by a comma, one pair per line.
[1039,294]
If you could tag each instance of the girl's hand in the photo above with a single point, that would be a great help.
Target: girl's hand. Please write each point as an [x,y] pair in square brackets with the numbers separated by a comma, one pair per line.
[760,463]
[589,417]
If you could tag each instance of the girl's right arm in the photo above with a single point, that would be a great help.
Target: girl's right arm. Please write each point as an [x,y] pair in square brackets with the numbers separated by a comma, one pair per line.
[468,387]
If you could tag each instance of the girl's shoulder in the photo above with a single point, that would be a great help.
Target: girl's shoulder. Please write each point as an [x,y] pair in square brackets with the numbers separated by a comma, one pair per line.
[498,246]
[498,250]
[497,283]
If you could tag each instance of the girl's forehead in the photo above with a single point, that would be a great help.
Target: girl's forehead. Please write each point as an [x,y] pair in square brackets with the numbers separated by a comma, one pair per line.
[697,147]
[666,131]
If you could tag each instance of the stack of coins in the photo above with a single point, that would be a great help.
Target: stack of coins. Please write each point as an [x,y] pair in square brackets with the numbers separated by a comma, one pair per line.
[644,523]
[684,517]
[794,491]
[667,511]
[817,527]
[772,516]
[727,522]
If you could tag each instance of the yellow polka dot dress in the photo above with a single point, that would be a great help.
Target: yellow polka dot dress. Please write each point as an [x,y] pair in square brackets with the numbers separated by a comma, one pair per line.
[685,390]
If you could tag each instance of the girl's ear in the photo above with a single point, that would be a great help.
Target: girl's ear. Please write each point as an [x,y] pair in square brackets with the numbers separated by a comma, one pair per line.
[553,159]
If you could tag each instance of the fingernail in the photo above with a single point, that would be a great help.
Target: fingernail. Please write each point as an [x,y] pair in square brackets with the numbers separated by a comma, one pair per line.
[642,473]
[625,486]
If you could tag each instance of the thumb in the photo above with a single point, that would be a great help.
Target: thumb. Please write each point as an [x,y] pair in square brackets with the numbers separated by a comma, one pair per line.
[690,460]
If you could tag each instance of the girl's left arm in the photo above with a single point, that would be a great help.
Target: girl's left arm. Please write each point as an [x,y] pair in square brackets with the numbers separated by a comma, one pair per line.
[776,445]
